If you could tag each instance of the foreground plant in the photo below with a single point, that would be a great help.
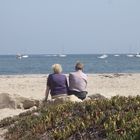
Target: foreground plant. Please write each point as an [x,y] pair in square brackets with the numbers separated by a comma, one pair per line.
[114,119]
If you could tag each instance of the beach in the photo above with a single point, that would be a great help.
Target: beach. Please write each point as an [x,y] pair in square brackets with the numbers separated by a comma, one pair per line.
[33,87]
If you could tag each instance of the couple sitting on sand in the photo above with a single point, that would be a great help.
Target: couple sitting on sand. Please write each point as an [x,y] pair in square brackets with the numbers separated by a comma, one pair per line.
[58,87]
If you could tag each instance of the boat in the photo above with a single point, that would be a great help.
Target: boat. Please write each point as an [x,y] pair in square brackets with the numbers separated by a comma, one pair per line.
[116,55]
[130,55]
[54,55]
[25,56]
[20,56]
[50,55]
[103,56]
[138,55]
[62,55]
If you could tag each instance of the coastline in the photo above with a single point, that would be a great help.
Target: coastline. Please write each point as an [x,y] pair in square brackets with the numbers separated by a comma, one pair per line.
[33,86]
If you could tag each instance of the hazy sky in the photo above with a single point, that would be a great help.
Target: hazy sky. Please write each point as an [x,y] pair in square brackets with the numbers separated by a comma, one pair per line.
[74,26]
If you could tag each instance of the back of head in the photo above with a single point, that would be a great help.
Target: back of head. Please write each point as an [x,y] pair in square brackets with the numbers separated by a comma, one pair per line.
[57,68]
[79,66]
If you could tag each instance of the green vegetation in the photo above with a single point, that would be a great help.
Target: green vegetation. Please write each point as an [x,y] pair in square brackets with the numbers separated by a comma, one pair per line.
[117,118]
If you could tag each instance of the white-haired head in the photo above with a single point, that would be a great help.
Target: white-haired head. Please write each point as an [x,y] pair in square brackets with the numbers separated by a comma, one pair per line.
[57,68]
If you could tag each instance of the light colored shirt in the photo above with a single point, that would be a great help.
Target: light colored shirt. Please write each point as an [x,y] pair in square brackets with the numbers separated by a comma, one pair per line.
[78,81]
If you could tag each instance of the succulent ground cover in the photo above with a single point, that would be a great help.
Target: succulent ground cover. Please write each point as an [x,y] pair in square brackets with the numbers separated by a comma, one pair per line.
[117,118]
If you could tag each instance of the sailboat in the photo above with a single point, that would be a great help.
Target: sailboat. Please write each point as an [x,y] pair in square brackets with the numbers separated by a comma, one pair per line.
[62,54]
[130,54]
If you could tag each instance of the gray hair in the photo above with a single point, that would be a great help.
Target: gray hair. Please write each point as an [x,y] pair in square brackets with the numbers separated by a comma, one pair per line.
[79,66]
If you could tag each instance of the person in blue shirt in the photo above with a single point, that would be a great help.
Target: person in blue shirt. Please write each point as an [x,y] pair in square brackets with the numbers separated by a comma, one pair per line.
[57,85]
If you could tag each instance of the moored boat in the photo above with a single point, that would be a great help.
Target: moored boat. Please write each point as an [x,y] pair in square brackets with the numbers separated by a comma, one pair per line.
[138,55]
[20,56]
[103,56]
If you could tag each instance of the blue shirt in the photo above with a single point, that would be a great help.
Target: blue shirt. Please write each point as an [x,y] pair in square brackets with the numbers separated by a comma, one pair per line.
[58,84]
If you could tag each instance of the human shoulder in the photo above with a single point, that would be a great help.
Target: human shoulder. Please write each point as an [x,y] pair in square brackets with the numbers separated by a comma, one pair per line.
[50,75]
[72,73]
[64,75]
[84,75]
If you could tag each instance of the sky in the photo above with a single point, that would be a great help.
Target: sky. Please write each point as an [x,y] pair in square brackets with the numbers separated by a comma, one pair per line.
[69,26]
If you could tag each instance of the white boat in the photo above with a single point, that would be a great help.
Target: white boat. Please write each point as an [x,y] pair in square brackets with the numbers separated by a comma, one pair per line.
[50,55]
[54,55]
[130,55]
[138,55]
[62,55]
[116,55]
[103,56]
[20,56]
[25,56]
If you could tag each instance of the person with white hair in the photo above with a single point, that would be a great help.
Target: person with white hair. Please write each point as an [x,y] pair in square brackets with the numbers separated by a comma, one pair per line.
[57,85]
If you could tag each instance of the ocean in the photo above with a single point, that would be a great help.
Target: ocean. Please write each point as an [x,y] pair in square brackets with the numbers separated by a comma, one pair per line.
[94,63]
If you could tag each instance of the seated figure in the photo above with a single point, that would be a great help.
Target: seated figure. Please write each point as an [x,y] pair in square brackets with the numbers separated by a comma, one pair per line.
[57,84]
[78,82]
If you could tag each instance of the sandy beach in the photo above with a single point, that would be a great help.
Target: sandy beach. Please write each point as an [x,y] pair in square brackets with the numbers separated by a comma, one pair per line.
[33,87]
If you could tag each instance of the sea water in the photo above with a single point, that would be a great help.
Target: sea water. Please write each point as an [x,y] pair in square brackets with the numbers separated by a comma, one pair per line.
[93,63]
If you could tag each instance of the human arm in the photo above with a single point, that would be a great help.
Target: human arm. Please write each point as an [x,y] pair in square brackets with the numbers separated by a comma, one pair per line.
[67,85]
[47,92]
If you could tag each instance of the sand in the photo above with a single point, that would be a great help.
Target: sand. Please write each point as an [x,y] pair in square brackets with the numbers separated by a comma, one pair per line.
[33,87]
